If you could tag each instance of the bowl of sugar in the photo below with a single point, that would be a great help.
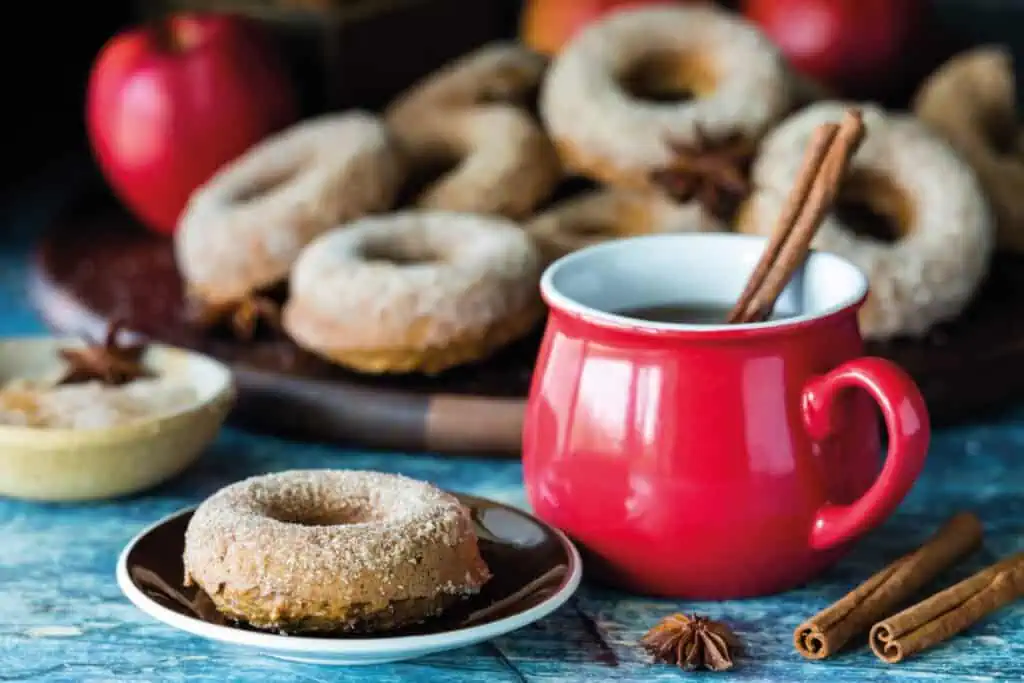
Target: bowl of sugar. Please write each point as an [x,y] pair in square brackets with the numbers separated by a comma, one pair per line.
[88,421]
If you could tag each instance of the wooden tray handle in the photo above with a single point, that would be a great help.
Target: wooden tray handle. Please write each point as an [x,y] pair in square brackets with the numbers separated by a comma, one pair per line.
[345,414]
[463,423]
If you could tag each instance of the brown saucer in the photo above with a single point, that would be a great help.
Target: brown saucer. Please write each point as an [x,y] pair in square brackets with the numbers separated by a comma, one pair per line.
[531,564]
[95,263]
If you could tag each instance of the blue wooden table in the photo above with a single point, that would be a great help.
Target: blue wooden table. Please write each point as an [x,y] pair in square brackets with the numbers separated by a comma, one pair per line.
[62,617]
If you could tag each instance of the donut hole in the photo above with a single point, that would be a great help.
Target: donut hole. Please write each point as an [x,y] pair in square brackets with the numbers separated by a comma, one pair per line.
[1002,134]
[399,252]
[425,172]
[567,188]
[327,516]
[668,77]
[589,229]
[505,89]
[871,205]
[265,185]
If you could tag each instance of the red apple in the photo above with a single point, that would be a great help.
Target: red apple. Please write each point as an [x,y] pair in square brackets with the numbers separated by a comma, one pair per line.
[547,25]
[840,43]
[168,104]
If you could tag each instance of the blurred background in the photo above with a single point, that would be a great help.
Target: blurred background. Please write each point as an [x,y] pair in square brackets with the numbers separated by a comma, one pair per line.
[361,52]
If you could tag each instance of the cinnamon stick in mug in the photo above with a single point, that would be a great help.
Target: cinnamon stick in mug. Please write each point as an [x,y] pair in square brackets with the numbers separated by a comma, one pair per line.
[948,612]
[828,631]
[828,155]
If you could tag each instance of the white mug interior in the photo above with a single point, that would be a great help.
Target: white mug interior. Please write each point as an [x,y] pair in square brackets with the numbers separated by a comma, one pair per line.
[692,269]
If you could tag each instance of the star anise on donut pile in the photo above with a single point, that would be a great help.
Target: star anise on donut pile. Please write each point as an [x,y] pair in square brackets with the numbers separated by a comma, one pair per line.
[712,173]
[243,317]
[691,642]
[107,361]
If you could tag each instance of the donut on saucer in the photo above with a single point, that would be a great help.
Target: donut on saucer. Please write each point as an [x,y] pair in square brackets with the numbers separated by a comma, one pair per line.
[309,551]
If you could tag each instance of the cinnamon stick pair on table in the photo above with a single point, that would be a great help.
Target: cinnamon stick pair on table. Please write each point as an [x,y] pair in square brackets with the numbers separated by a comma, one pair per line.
[870,606]
[893,637]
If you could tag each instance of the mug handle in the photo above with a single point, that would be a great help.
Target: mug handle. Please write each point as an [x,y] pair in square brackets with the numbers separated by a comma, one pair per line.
[906,419]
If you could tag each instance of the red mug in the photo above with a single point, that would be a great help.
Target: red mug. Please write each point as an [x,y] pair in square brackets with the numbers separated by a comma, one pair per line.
[712,461]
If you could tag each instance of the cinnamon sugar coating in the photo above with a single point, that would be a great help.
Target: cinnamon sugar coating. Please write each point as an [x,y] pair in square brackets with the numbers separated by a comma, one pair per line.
[610,213]
[502,162]
[471,119]
[414,290]
[738,79]
[908,174]
[496,72]
[332,550]
[242,230]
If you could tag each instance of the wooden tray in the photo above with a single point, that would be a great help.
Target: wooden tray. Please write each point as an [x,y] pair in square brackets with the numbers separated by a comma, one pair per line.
[95,264]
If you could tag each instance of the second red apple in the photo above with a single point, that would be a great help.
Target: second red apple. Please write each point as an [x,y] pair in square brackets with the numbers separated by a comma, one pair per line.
[841,43]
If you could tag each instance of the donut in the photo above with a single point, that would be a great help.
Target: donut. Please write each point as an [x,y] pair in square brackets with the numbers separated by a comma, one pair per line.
[414,291]
[306,551]
[904,172]
[500,71]
[738,79]
[971,101]
[469,141]
[242,230]
[503,164]
[609,213]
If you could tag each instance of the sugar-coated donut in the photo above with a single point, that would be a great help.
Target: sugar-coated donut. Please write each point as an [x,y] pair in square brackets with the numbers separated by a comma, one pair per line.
[500,71]
[738,78]
[414,291]
[243,229]
[609,213]
[908,174]
[971,101]
[503,163]
[332,551]
[470,119]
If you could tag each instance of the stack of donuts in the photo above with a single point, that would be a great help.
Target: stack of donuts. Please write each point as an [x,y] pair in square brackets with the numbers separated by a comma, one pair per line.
[413,240]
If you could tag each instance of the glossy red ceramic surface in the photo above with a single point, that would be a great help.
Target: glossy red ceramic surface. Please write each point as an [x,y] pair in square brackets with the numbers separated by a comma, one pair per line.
[716,464]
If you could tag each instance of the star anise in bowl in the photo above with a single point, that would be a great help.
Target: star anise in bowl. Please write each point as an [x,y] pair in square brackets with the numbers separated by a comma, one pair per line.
[107,360]
[714,173]
[692,642]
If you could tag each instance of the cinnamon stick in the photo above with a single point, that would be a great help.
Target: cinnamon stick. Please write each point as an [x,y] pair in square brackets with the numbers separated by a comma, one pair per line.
[828,631]
[810,199]
[818,147]
[948,612]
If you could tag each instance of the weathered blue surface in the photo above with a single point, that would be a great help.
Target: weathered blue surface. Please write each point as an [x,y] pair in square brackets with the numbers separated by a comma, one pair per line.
[62,617]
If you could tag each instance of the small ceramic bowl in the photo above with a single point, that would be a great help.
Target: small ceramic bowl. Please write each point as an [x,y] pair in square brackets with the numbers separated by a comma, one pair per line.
[63,464]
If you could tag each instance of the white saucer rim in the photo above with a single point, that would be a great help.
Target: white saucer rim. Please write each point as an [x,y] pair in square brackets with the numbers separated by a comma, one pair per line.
[349,646]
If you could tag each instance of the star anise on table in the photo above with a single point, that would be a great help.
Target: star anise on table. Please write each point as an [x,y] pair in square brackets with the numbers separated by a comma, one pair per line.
[691,642]
[243,317]
[712,173]
[107,361]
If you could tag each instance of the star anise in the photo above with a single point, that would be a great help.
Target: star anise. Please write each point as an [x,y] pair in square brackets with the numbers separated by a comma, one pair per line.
[243,317]
[712,173]
[691,642]
[251,312]
[107,361]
